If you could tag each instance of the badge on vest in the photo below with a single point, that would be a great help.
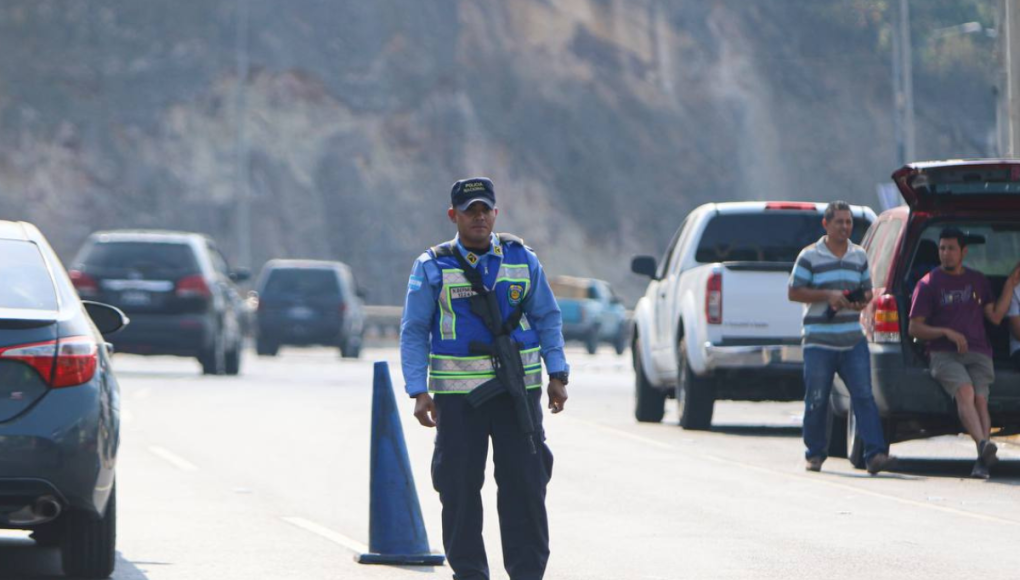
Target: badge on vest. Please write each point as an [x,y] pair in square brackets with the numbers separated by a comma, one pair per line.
[514,294]
[461,292]
[471,258]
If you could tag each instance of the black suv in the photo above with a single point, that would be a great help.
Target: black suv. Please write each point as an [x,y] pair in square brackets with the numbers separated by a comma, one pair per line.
[306,302]
[177,289]
[981,197]
[59,407]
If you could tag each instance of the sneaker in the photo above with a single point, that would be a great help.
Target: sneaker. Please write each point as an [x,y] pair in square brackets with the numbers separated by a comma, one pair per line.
[880,462]
[814,463]
[980,471]
[986,453]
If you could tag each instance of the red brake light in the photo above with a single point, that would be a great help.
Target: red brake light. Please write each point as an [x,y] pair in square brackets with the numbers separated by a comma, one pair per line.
[797,205]
[713,298]
[64,363]
[887,319]
[85,285]
[192,287]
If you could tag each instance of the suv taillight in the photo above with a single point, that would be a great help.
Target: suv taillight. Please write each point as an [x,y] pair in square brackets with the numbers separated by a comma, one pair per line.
[192,287]
[887,319]
[61,363]
[85,285]
[713,298]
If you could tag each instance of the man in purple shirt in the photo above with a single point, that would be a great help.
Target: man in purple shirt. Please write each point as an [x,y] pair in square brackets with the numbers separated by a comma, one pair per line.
[948,310]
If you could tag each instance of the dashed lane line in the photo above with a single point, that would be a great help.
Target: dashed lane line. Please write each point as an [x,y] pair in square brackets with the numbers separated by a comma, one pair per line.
[173,459]
[322,531]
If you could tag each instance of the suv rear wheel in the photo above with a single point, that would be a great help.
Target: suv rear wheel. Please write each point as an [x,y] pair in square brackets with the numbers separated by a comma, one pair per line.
[88,543]
[351,347]
[214,359]
[695,395]
[855,444]
[591,340]
[649,402]
[266,347]
[233,359]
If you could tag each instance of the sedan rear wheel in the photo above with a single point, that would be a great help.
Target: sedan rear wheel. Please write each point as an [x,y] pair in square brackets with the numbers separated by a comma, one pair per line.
[88,544]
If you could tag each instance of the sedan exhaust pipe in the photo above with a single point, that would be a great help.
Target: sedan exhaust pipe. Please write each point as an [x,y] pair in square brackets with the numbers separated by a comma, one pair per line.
[46,507]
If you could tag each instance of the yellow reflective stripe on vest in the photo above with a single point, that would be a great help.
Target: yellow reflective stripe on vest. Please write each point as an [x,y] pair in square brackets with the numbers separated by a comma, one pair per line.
[464,384]
[477,364]
[447,317]
[462,374]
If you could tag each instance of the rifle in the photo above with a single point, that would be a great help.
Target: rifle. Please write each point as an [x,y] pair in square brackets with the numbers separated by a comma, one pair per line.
[504,352]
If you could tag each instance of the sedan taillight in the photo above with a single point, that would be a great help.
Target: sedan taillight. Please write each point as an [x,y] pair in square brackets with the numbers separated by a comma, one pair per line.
[85,285]
[192,287]
[61,363]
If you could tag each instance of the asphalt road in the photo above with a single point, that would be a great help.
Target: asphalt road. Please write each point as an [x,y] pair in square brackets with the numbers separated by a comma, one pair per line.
[266,476]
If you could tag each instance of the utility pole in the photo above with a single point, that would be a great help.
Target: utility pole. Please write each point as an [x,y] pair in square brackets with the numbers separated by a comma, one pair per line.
[903,86]
[1009,37]
[242,191]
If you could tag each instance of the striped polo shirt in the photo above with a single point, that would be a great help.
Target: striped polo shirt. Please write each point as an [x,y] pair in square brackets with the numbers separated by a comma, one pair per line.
[818,268]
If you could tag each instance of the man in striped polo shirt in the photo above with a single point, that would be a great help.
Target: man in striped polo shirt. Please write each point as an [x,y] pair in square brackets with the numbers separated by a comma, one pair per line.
[824,277]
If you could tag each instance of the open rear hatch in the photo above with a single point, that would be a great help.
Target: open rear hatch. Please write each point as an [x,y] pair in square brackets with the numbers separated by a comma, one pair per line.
[978,184]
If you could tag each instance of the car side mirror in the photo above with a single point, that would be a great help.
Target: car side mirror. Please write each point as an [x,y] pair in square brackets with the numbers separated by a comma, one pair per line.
[644,265]
[240,274]
[108,319]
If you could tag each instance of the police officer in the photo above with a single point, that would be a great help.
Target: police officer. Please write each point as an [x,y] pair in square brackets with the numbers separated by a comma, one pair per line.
[439,349]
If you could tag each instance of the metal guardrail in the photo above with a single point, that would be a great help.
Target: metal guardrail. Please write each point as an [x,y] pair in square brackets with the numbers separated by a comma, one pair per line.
[382,323]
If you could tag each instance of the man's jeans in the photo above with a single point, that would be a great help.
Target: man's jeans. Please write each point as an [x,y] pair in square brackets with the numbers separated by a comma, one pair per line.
[854,367]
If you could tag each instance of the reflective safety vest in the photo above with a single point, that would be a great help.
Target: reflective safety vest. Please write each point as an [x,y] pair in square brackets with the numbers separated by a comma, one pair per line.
[453,368]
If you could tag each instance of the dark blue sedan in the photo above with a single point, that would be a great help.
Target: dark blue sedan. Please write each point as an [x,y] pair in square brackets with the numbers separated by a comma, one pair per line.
[59,407]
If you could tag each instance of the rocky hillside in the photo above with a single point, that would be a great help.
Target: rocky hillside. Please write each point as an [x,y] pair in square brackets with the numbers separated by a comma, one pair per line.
[602,122]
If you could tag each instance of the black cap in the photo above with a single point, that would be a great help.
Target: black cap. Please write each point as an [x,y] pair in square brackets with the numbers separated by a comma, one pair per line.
[467,191]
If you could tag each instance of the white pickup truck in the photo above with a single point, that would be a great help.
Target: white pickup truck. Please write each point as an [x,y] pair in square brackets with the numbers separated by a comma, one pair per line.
[715,321]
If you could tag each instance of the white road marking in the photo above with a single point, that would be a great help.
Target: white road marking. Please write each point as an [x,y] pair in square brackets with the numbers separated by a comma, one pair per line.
[335,537]
[172,458]
[126,417]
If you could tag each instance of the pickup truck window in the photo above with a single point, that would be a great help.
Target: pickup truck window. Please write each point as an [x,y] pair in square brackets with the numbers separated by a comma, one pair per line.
[763,237]
[664,263]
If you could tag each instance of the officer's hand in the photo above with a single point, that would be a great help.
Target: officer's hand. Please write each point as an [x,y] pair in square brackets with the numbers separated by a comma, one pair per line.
[425,410]
[557,395]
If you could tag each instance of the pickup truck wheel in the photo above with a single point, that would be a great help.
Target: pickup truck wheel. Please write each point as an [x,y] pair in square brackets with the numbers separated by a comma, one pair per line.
[650,403]
[620,342]
[837,434]
[695,396]
[854,443]
[591,340]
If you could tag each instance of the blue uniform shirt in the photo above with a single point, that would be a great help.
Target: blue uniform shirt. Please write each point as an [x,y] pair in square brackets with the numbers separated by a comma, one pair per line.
[420,307]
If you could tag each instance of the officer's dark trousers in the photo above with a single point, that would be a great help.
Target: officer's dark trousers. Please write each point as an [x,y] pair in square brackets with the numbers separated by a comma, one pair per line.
[458,471]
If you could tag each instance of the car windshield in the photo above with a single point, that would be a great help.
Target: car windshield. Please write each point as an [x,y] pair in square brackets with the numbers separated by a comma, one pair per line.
[303,282]
[25,281]
[148,259]
[764,237]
